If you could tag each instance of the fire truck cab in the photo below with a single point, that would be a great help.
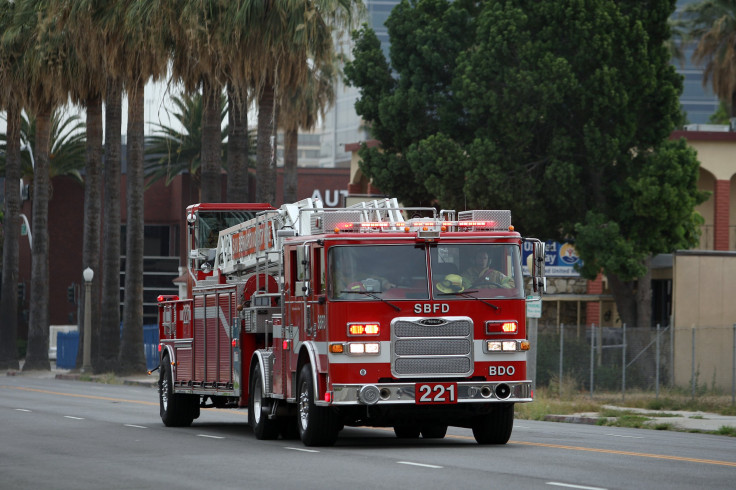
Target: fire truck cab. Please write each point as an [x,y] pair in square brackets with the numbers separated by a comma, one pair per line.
[320,318]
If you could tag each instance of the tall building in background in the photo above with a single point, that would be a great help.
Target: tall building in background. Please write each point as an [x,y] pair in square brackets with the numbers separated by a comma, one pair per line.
[341,124]
[698,101]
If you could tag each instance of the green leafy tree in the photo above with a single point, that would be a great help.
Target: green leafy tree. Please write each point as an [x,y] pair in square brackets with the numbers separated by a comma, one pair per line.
[712,25]
[557,110]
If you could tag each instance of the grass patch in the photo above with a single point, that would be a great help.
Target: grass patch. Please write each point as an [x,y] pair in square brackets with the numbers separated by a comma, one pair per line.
[725,430]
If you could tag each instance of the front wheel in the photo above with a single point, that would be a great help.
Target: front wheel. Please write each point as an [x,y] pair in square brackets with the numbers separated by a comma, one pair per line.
[316,424]
[259,408]
[177,410]
[495,428]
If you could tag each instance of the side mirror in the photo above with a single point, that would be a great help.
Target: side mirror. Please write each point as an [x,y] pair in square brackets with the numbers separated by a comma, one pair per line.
[539,282]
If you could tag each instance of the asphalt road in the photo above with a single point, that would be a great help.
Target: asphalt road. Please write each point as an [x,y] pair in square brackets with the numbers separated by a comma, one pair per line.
[58,434]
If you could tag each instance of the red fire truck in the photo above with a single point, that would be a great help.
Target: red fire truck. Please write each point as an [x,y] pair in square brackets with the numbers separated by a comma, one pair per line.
[371,315]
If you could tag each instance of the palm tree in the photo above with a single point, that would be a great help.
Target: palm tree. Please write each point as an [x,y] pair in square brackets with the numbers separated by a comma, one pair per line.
[81,19]
[197,34]
[712,23]
[8,301]
[43,62]
[68,144]
[281,37]
[146,56]
[237,145]
[301,110]
[171,151]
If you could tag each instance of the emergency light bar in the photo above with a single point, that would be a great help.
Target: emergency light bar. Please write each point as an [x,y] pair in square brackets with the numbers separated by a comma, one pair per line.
[409,226]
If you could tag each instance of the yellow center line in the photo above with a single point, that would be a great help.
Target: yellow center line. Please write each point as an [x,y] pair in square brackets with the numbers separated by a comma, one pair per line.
[609,451]
[627,453]
[90,397]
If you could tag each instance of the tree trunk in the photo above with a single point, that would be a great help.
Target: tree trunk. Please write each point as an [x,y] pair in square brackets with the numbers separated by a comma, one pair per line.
[237,146]
[644,297]
[11,244]
[266,146]
[211,143]
[132,357]
[624,296]
[37,356]
[92,212]
[290,165]
[109,326]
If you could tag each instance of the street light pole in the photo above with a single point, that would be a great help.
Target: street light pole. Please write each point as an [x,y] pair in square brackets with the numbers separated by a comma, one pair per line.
[88,274]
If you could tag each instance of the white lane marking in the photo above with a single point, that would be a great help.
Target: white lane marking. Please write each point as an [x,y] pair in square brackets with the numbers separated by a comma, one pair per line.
[210,437]
[135,426]
[630,437]
[418,464]
[73,418]
[568,485]
[302,449]
[22,410]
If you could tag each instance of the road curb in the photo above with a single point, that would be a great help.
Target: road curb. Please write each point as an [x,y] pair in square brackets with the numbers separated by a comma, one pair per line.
[572,419]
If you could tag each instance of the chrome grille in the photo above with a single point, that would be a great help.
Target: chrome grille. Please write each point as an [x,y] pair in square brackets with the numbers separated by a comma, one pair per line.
[436,347]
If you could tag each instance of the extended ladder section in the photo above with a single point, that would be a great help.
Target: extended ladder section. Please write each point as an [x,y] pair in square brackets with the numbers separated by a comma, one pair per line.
[255,245]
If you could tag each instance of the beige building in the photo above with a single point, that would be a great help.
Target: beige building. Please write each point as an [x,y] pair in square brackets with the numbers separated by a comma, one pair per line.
[704,280]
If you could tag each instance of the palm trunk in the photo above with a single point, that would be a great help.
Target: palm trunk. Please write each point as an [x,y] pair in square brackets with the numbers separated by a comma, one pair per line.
[290,165]
[211,142]
[92,212]
[132,358]
[9,298]
[237,147]
[109,326]
[266,146]
[37,356]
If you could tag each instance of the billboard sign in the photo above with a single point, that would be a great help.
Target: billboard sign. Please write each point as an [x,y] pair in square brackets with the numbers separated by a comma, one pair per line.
[560,259]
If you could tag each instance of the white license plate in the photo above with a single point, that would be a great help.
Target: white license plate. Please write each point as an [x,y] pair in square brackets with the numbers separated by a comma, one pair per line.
[436,393]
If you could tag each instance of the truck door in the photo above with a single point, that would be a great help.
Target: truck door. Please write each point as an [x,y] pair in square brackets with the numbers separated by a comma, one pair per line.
[319,292]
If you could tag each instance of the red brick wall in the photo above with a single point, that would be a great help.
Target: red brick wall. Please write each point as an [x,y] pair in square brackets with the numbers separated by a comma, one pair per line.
[721,214]
[593,308]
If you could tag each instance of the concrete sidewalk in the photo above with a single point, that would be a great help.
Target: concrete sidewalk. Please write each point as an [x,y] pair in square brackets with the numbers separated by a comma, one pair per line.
[679,419]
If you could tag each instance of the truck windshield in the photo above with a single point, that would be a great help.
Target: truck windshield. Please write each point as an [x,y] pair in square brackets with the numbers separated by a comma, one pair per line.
[476,270]
[384,271]
[211,222]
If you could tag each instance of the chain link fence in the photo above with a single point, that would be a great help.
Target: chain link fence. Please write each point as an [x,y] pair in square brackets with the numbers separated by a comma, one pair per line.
[617,359]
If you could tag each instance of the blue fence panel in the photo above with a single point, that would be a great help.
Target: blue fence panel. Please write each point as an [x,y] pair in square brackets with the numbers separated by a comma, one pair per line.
[67,346]
[150,345]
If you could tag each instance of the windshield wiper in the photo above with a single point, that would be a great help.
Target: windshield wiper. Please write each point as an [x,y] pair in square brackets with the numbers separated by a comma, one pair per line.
[465,293]
[372,295]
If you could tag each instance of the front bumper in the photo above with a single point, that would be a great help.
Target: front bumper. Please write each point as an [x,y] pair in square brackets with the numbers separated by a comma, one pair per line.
[405,393]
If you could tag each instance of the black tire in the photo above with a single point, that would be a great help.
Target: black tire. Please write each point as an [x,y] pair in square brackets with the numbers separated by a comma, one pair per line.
[177,410]
[407,431]
[434,431]
[288,428]
[259,409]
[317,425]
[496,427]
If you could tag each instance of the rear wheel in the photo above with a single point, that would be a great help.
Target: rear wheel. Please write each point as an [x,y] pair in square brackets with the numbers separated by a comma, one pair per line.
[495,428]
[259,409]
[177,410]
[316,424]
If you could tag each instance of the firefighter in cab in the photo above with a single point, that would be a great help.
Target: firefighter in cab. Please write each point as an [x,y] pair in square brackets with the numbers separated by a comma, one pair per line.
[481,274]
